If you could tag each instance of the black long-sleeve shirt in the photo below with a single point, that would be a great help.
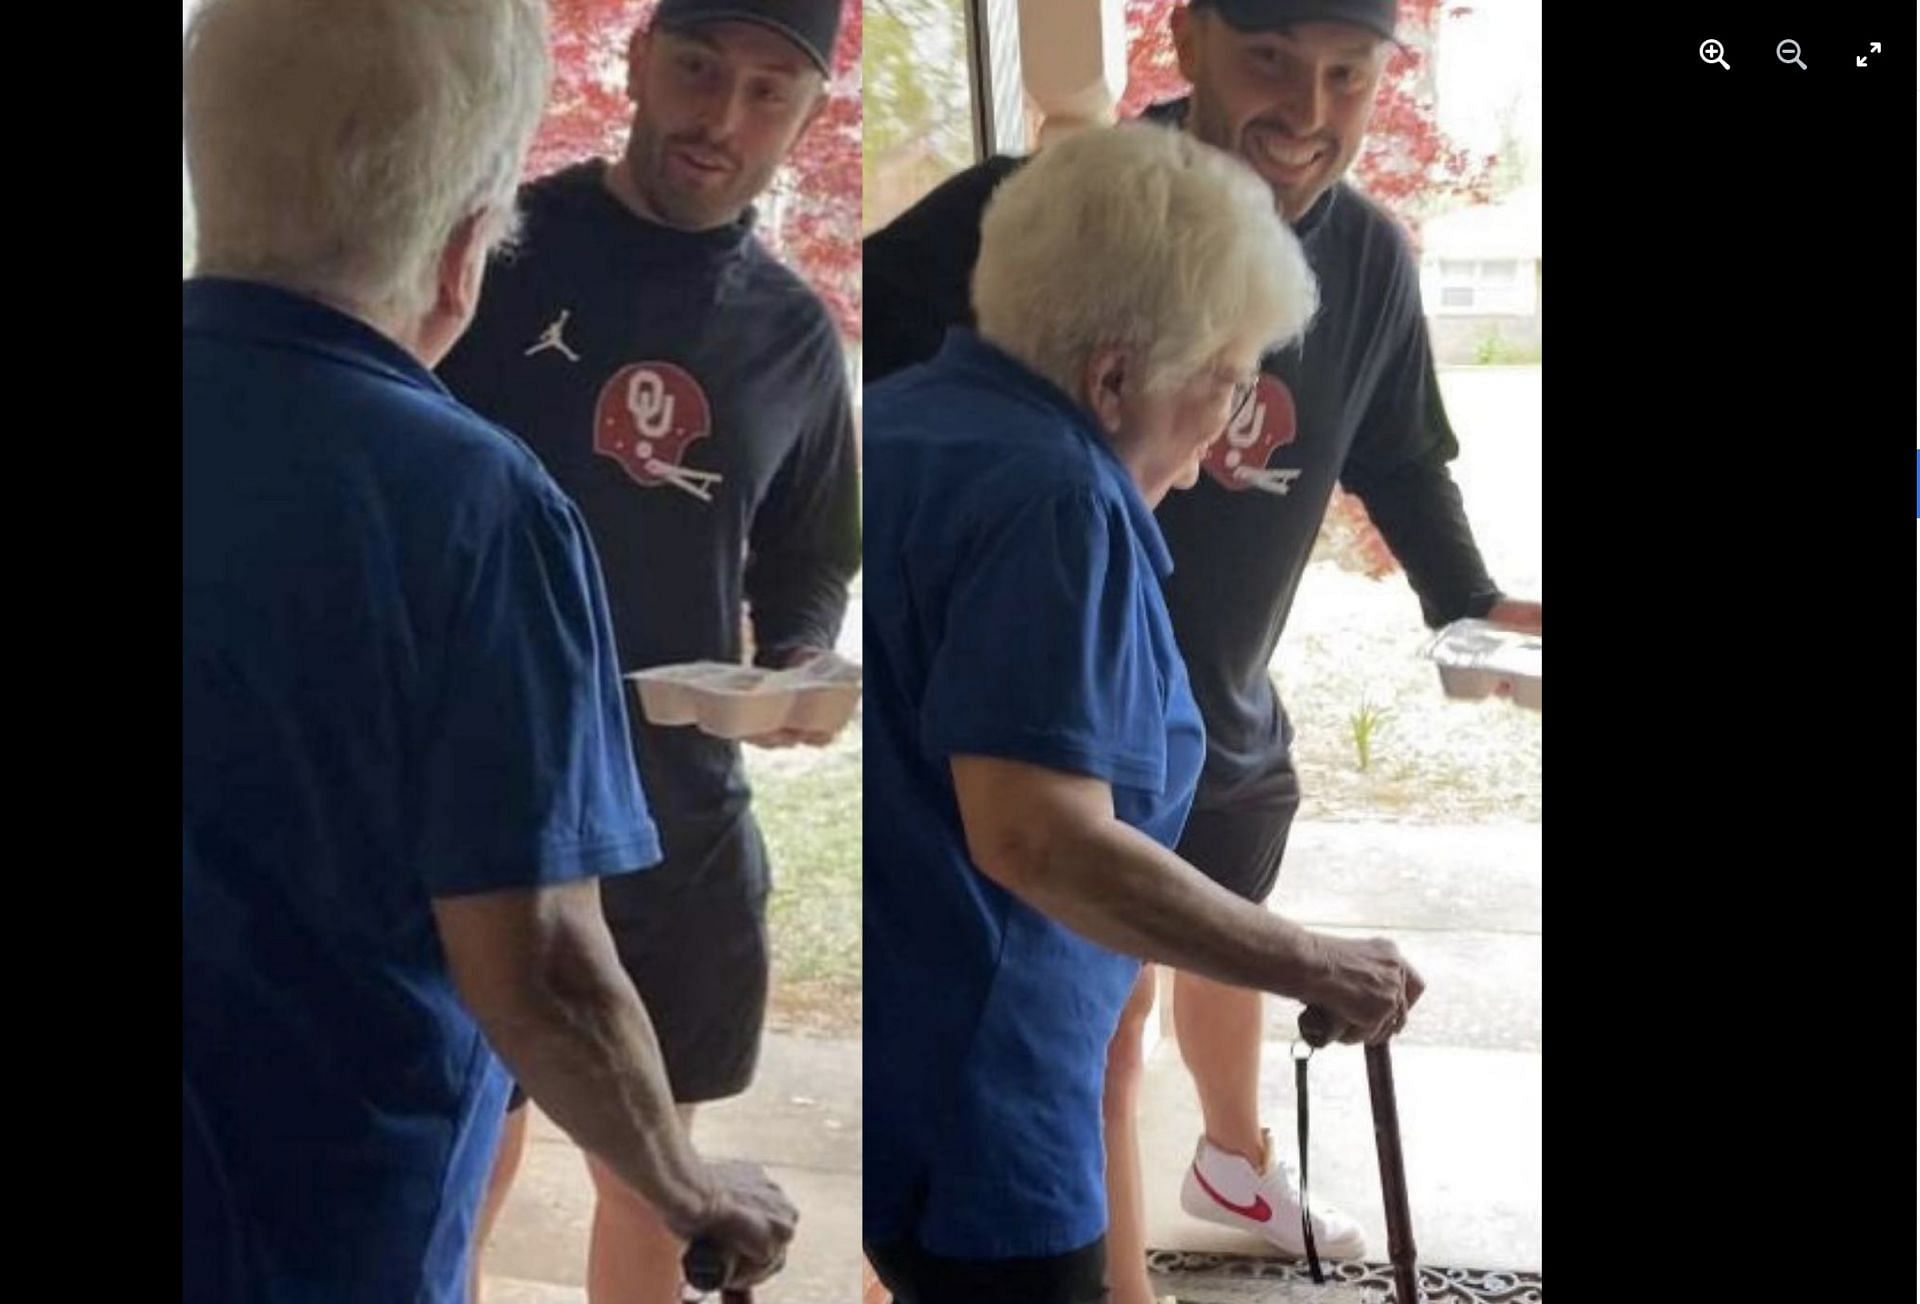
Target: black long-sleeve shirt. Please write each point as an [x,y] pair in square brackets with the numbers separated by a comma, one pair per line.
[689,394]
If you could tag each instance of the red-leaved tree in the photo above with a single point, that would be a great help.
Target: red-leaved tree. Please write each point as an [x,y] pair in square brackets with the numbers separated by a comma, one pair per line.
[820,218]
[816,199]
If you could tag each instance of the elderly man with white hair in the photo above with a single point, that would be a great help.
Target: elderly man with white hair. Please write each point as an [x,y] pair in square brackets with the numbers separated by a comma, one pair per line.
[405,764]
[1033,746]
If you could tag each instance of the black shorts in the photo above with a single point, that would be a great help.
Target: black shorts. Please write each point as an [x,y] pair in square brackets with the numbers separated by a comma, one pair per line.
[1240,848]
[692,935]
[916,1277]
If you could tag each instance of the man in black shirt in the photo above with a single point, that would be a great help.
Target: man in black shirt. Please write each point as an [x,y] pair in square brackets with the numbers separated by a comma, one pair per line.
[688,392]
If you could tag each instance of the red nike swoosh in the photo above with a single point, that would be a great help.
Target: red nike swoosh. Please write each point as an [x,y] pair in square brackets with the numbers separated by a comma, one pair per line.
[1259,1210]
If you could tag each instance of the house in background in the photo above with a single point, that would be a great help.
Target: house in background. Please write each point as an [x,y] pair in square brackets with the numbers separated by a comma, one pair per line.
[1480,281]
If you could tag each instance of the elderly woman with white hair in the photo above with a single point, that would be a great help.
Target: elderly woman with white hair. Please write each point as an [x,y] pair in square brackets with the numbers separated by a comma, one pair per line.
[405,760]
[1032,746]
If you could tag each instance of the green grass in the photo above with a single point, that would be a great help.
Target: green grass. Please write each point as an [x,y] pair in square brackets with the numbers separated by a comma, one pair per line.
[1495,350]
[1366,723]
[808,804]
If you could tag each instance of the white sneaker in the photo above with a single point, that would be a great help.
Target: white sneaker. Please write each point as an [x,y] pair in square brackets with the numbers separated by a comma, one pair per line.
[1221,1187]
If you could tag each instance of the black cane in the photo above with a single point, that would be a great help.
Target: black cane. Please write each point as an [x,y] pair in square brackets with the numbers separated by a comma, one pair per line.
[1393,1174]
[1317,1028]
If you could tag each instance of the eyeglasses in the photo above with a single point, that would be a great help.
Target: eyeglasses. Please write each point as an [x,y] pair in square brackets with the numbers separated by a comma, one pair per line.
[1243,391]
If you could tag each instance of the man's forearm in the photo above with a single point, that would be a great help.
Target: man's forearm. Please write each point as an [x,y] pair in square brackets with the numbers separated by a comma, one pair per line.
[585,1050]
[1418,511]
[1116,886]
[800,607]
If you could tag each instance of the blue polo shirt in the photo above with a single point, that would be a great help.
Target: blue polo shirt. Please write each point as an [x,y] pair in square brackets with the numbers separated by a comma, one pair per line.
[1013,610]
[398,683]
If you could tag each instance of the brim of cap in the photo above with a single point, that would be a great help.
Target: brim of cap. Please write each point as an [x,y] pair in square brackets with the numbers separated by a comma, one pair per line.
[722,15]
[1258,17]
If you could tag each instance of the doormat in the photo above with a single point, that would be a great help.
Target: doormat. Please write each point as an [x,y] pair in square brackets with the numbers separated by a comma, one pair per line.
[1193,1278]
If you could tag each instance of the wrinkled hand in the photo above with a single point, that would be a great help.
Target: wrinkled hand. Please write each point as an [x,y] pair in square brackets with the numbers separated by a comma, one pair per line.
[1365,993]
[749,1220]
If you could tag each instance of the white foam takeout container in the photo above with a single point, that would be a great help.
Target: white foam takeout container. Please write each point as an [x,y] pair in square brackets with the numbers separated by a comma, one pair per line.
[730,701]
[1478,660]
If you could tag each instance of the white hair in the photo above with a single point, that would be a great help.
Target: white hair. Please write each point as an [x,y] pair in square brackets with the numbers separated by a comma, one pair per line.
[1138,237]
[335,145]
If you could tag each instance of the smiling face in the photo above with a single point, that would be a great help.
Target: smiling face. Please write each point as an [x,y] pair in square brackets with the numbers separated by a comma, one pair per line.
[1294,103]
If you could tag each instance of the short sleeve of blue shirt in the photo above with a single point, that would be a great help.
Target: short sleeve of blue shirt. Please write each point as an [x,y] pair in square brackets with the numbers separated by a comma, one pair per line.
[1040,658]
[530,776]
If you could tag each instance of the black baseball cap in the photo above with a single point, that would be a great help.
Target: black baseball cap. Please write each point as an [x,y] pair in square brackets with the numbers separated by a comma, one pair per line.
[1376,16]
[812,25]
